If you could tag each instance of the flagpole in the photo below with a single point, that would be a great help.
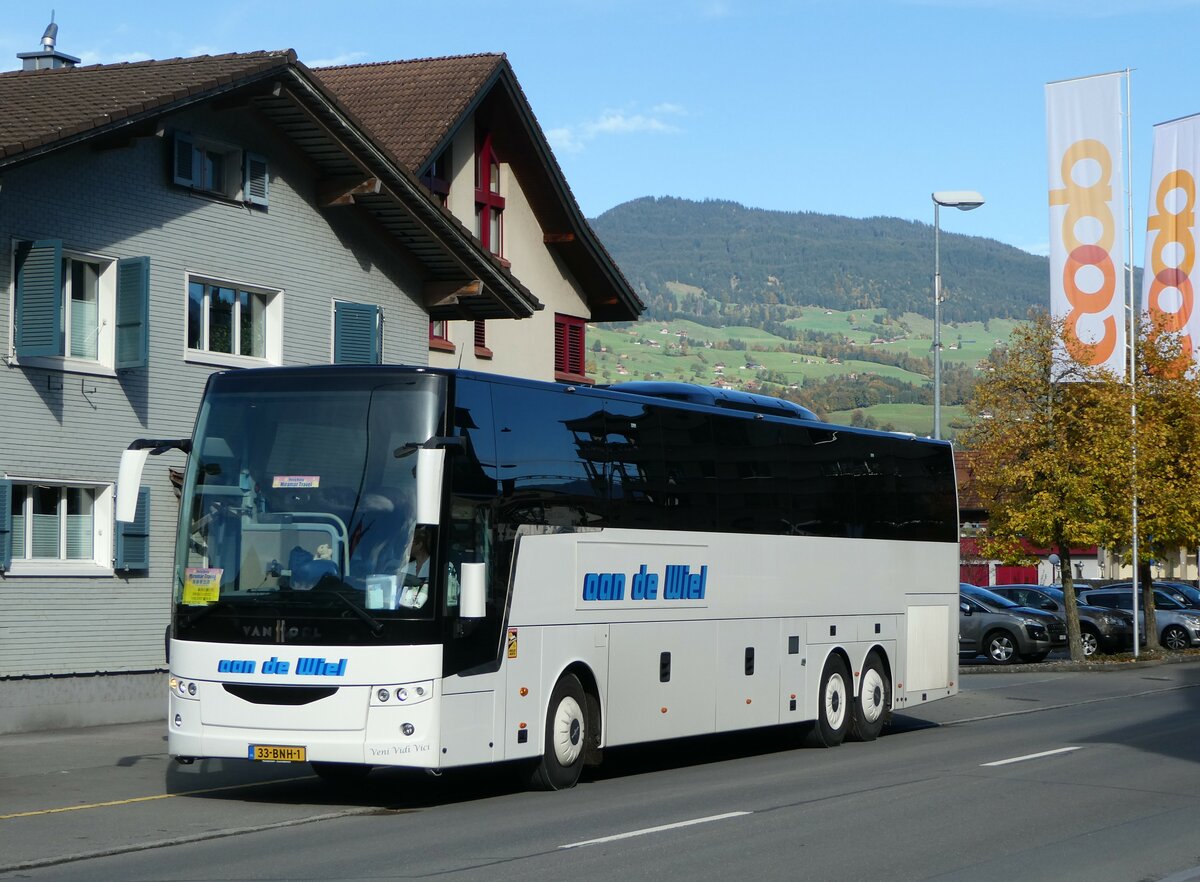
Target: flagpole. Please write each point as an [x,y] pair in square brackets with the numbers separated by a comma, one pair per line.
[1132,346]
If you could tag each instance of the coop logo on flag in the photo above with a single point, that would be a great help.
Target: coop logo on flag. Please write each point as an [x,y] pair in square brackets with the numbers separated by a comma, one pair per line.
[1087,228]
[1168,296]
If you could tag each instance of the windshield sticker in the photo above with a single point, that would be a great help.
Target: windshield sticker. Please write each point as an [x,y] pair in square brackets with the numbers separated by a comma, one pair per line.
[296,482]
[201,585]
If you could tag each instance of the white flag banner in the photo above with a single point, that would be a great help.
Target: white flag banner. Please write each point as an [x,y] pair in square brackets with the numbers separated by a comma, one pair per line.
[1087,223]
[1168,300]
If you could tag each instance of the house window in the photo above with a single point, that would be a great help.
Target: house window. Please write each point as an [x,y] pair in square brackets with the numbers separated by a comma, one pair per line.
[76,311]
[489,204]
[56,528]
[439,336]
[233,323]
[437,177]
[568,349]
[219,169]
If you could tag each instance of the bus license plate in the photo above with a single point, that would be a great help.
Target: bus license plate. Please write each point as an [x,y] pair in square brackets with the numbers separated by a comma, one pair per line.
[277,753]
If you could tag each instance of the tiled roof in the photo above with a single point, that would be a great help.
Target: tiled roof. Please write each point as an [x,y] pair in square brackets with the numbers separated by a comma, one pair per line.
[41,107]
[410,106]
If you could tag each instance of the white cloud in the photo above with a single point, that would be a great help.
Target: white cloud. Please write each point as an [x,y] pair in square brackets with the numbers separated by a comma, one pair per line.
[337,60]
[574,138]
[92,56]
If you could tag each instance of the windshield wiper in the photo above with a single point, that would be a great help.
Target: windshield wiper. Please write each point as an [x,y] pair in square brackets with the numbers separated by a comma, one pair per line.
[329,583]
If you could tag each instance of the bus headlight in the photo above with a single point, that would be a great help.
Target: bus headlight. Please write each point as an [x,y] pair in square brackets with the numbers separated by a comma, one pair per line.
[183,688]
[401,693]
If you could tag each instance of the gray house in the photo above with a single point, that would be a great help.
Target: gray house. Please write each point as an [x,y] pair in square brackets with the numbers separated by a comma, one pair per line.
[161,221]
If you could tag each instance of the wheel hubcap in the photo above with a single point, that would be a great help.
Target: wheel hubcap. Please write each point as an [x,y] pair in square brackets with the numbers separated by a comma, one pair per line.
[872,695]
[1089,644]
[568,732]
[835,701]
[1002,649]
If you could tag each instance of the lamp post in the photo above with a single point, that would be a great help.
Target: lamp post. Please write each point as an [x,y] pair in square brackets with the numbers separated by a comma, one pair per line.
[963,200]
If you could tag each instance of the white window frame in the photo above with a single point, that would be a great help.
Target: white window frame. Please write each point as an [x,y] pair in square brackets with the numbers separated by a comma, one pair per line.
[233,159]
[272,334]
[104,364]
[102,533]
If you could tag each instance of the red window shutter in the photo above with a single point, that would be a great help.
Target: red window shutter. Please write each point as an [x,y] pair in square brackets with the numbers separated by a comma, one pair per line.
[480,334]
[560,345]
[568,345]
[575,348]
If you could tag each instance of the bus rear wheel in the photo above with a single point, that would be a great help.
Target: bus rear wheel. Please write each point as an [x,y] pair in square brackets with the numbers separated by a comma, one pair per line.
[833,705]
[566,737]
[872,706]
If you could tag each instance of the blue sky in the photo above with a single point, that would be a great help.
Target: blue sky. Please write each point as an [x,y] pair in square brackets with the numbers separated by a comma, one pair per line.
[854,107]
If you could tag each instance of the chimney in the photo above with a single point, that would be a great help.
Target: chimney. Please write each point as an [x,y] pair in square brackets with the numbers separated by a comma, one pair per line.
[49,57]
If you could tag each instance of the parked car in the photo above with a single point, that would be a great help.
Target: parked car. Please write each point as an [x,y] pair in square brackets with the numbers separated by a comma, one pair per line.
[1003,631]
[1181,591]
[1178,623]
[1101,629]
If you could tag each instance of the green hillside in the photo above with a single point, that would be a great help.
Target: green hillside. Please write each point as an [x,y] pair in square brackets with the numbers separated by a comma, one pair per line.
[888,383]
[722,263]
[833,312]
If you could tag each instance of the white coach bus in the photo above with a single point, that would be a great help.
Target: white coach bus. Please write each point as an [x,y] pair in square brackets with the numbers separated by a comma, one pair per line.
[396,566]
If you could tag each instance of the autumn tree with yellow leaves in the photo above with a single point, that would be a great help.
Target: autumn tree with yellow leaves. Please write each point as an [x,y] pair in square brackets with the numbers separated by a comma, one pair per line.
[1056,458]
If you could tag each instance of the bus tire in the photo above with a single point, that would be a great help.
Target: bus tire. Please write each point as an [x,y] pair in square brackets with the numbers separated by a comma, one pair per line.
[834,700]
[341,774]
[873,704]
[565,743]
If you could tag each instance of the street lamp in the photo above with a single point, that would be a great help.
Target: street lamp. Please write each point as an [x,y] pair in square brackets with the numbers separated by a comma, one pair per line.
[963,200]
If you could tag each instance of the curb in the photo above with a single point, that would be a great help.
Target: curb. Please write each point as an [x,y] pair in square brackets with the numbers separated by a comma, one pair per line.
[1081,667]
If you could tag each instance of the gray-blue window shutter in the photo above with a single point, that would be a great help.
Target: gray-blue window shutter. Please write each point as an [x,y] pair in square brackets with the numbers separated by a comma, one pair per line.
[39,298]
[133,538]
[5,526]
[183,163]
[133,312]
[356,333]
[255,179]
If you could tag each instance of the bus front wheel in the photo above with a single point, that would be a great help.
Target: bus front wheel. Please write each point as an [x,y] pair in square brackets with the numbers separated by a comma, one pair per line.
[565,738]
[833,704]
[874,698]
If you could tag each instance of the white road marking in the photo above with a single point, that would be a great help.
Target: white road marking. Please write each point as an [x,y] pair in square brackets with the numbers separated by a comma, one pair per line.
[648,830]
[1029,756]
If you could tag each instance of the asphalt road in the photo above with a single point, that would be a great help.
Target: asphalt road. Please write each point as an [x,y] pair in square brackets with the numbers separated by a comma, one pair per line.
[1038,775]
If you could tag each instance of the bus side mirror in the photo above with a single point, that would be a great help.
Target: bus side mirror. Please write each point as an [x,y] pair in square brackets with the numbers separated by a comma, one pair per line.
[473,591]
[430,466]
[129,479]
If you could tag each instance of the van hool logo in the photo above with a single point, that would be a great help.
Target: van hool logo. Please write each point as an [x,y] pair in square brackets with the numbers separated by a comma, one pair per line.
[281,632]
[678,582]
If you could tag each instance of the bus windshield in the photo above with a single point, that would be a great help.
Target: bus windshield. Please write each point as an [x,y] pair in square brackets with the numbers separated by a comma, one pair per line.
[298,510]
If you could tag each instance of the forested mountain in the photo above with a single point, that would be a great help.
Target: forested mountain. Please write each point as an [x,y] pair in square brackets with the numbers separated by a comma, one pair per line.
[719,262]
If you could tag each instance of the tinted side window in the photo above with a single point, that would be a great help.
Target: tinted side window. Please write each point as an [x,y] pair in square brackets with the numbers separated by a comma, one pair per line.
[636,472]
[551,457]
[689,487]
[753,475]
